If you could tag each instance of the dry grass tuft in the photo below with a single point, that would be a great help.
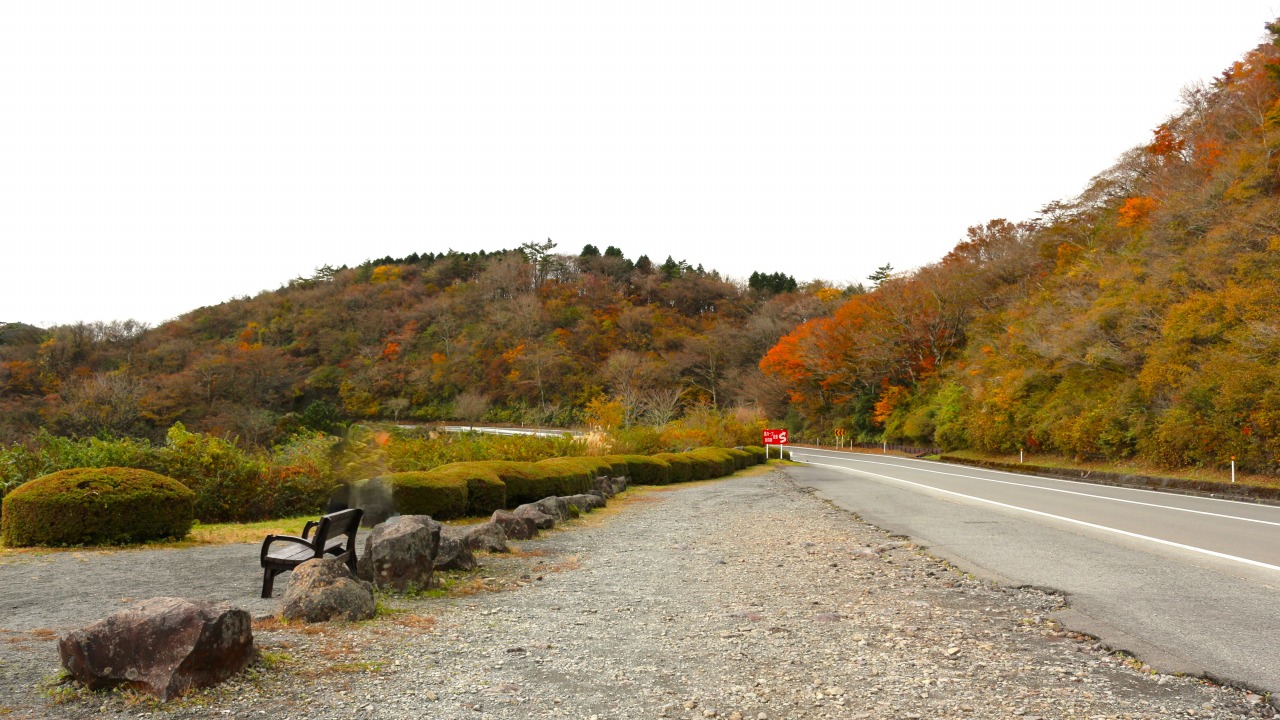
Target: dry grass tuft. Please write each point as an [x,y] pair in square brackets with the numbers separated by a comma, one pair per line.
[417,622]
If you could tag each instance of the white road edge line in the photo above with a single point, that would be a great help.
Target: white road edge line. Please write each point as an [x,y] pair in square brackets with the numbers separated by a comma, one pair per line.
[1059,490]
[1046,478]
[1095,526]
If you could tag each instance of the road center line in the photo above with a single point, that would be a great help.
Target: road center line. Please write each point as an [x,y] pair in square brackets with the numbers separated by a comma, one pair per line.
[1095,526]
[1057,490]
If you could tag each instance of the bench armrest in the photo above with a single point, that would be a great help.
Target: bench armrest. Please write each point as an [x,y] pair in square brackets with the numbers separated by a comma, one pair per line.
[306,529]
[266,543]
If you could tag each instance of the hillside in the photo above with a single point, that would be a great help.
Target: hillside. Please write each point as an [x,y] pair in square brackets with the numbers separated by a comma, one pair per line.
[515,336]
[1136,320]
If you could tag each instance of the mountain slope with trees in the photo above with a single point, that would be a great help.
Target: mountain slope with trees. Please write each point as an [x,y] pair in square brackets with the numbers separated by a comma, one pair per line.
[520,336]
[1136,320]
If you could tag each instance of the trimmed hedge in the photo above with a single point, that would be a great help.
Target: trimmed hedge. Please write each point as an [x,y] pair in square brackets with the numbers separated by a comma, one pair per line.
[646,470]
[568,476]
[619,464]
[486,490]
[720,461]
[742,458]
[757,452]
[97,506]
[526,482]
[679,467]
[421,493]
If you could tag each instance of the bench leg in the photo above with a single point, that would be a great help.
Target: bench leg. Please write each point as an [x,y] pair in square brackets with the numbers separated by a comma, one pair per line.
[268,580]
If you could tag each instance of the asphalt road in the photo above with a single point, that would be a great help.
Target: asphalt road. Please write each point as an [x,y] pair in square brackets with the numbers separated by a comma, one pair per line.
[1187,584]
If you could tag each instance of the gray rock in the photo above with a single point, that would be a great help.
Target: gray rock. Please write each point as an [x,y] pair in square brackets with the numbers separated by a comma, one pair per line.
[584,503]
[323,589]
[487,537]
[454,553]
[164,646]
[515,526]
[400,553]
[604,487]
[555,507]
[540,519]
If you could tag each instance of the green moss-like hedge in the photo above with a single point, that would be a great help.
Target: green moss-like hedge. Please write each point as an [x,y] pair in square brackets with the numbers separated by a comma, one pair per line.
[570,476]
[757,451]
[479,488]
[647,470]
[526,482]
[679,467]
[486,491]
[441,496]
[619,465]
[97,506]
[742,458]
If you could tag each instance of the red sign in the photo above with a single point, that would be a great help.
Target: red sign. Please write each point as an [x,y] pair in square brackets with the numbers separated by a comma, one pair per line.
[775,437]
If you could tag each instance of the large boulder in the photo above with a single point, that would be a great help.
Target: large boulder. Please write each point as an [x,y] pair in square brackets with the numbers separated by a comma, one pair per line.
[555,507]
[486,537]
[540,519]
[585,502]
[324,589]
[400,554]
[454,552]
[164,646]
[514,526]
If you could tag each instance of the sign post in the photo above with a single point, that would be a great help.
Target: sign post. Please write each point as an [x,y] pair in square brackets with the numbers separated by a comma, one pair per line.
[774,437]
[840,438]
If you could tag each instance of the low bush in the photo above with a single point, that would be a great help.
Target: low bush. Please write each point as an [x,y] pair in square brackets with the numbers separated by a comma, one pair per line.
[646,470]
[486,491]
[719,461]
[526,482]
[679,467]
[757,453]
[96,506]
[567,476]
[421,493]
[741,458]
[619,465]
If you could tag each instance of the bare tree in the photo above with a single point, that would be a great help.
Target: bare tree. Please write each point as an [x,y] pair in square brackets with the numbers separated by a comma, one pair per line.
[661,404]
[471,406]
[396,406]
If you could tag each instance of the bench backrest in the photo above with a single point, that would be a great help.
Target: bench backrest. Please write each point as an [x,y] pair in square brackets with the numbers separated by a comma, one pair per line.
[333,525]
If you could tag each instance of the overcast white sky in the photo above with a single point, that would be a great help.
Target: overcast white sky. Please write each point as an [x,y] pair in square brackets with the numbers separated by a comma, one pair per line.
[160,156]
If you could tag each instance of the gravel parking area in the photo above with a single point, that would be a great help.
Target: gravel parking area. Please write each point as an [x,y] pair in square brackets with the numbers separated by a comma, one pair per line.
[741,598]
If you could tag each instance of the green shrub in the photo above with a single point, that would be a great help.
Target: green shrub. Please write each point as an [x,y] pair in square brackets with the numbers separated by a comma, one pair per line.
[645,470]
[701,466]
[486,491]
[96,506]
[741,458]
[568,476]
[421,493]
[526,482]
[597,466]
[679,467]
[618,464]
[719,460]
[757,453]
[227,482]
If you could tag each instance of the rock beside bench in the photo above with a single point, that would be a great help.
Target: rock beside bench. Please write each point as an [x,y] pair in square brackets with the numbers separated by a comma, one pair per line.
[324,589]
[164,646]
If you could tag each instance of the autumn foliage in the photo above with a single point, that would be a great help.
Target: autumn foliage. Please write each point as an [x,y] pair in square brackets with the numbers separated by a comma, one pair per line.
[1136,320]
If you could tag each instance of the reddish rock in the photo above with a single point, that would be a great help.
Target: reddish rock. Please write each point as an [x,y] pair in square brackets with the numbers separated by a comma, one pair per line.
[164,646]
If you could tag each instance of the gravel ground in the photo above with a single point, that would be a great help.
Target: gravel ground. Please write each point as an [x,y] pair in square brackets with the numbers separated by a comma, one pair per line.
[743,598]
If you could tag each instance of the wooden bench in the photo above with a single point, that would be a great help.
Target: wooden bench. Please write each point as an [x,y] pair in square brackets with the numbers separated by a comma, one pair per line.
[335,534]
